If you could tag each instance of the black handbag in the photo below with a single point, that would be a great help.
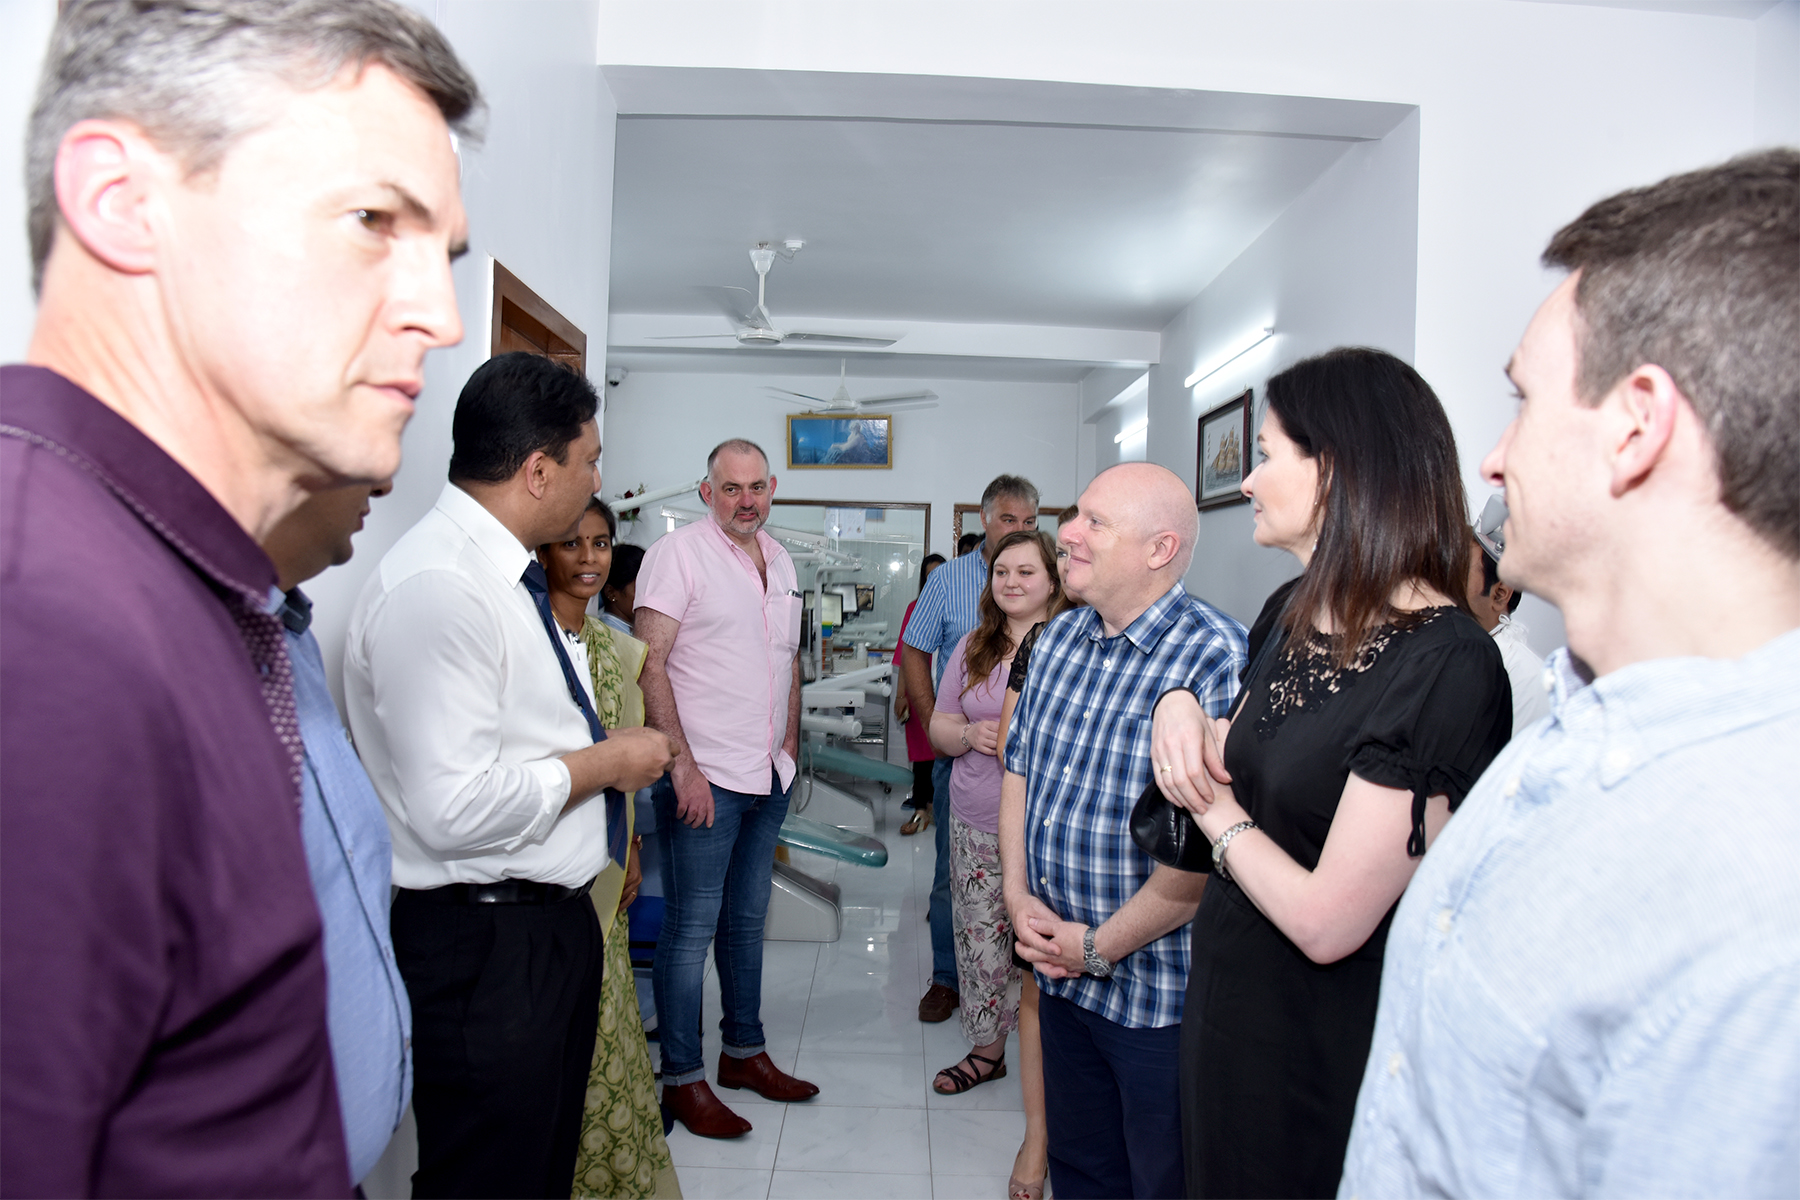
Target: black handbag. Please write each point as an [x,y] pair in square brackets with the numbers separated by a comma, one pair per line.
[1166,831]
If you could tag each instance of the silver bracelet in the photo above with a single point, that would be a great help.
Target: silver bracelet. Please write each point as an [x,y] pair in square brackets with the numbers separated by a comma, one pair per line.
[965,738]
[1224,841]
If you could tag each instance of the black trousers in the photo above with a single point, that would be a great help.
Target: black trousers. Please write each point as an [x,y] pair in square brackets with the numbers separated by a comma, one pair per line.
[505,1002]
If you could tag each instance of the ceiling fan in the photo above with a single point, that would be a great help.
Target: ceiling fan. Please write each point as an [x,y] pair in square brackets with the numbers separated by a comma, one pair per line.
[753,324]
[842,402]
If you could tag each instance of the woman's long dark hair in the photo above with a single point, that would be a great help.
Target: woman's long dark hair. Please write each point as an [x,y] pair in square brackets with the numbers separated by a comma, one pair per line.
[990,643]
[1391,501]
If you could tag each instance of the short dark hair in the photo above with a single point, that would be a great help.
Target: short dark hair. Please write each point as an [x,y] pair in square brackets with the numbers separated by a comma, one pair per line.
[1490,575]
[182,71]
[1391,500]
[1015,486]
[627,558]
[966,543]
[513,406]
[931,560]
[1700,275]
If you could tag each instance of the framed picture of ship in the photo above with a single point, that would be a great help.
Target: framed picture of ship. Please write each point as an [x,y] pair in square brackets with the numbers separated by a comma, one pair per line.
[1225,444]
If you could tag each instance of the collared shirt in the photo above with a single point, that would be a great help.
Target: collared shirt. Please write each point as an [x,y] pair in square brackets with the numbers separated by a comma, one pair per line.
[349,857]
[947,608]
[732,665]
[1592,984]
[461,711]
[162,978]
[1080,736]
[1525,668]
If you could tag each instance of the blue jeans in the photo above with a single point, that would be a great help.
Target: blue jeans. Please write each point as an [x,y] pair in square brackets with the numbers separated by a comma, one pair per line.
[715,889]
[943,936]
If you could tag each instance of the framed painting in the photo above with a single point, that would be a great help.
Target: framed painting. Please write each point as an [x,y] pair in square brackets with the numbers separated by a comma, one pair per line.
[819,440]
[1225,441]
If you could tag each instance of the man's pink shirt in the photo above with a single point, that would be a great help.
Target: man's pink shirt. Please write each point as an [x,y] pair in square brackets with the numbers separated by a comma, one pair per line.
[732,664]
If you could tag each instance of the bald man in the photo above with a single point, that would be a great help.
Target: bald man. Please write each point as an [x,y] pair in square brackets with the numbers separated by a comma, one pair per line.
[1103,923]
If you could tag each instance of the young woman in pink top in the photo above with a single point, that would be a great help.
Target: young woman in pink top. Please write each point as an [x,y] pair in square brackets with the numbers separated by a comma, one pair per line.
[1024,589]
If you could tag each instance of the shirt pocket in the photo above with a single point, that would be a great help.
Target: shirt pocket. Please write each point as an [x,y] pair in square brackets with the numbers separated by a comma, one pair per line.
[1122,740]
[781,618]
[1476,1061]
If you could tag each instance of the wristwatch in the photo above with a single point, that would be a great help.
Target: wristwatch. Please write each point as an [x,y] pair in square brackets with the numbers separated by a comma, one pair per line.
[1092,963]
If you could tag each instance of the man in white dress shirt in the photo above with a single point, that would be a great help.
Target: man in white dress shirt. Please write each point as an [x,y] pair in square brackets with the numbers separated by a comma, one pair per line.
[1494,602]
[480,740]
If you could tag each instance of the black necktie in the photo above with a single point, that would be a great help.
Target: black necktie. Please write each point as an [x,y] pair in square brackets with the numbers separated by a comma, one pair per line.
[539,587]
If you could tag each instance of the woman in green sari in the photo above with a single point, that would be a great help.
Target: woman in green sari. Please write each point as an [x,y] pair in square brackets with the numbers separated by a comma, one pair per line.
[623,1152]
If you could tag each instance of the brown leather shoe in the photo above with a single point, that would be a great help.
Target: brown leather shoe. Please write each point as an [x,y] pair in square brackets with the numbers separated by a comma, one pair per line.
[705,1115]
[760,1074]
[938,1003]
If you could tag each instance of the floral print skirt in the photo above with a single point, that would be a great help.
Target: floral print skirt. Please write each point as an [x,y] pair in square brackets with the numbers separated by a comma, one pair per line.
[984,936]
[622,1151]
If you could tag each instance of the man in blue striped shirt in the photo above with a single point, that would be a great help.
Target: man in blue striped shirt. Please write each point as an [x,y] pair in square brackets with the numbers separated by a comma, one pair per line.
[948,608]
[1105,924]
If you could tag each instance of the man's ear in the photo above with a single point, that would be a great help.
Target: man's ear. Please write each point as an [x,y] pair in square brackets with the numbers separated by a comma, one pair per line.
[104,174]
[537,474]
[1163,548]
[1647,403]
[1499,596]
[706,492]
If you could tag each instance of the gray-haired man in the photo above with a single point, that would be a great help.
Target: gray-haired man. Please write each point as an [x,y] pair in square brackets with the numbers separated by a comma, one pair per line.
[242,216]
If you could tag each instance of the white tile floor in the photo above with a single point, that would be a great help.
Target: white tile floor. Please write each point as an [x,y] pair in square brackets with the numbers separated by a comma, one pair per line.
[845,1016]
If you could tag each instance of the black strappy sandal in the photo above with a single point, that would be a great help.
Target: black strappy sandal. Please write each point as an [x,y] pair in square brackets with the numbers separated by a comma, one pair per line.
[962,1078]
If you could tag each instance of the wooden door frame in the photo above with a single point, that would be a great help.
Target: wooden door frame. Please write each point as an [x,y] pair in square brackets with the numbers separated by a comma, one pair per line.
[508,287]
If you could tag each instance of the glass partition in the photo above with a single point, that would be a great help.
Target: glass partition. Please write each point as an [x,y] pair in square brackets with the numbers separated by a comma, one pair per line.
[858,567]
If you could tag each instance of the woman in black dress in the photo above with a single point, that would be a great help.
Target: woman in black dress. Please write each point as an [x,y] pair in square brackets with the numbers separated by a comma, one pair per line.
[1378,702]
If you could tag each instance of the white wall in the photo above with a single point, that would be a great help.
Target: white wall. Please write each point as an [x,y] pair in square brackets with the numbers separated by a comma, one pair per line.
[1528,112]
[1337,268]
[661,426]
[26,25]
[1778,75]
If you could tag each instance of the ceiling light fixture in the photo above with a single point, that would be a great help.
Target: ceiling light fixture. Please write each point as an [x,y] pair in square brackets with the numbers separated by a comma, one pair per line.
[1262,335]
[1131,431]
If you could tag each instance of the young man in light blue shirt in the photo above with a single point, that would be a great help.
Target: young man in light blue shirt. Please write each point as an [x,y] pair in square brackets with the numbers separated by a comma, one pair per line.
[1592,984]
[948,608]
[348,853]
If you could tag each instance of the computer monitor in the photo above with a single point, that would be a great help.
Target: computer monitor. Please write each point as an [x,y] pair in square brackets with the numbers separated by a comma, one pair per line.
[831,609]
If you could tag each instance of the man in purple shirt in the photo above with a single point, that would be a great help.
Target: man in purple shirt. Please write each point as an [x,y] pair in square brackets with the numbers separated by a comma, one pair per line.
[241,216]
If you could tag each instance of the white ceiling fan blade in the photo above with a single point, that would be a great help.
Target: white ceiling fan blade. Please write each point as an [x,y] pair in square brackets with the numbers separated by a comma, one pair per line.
[865,406]
[738,305]
[898,397]
[839,339]
[800,396]
[690,337]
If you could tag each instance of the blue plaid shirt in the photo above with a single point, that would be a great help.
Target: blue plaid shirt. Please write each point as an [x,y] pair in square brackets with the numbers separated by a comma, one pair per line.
[1080,736]
[949,607]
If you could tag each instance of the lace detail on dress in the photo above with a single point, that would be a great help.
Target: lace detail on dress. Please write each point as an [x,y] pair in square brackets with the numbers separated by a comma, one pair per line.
[1305,671]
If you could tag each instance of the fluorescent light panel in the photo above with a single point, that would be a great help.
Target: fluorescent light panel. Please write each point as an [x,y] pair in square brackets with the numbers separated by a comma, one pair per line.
[1261,336]
[1131,431]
